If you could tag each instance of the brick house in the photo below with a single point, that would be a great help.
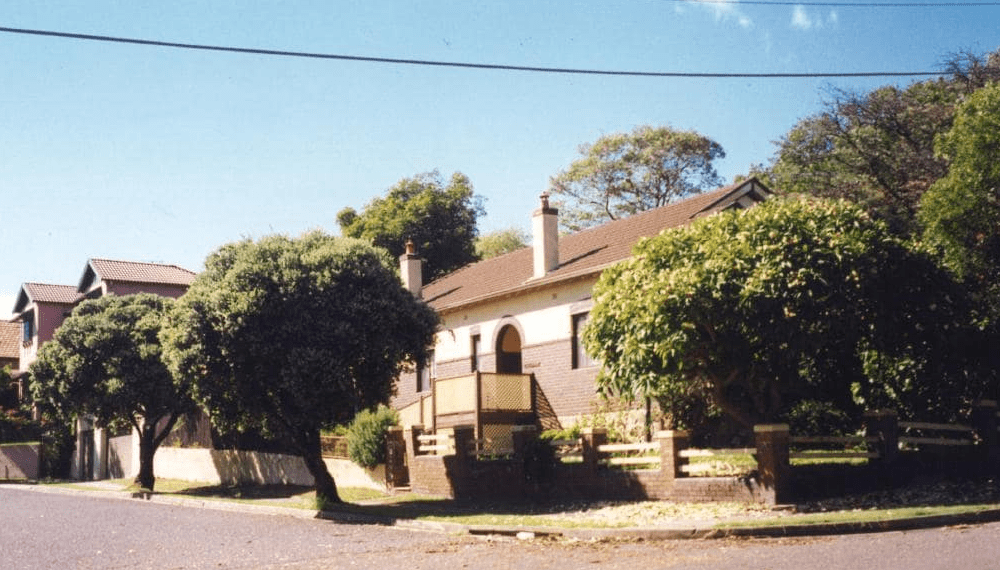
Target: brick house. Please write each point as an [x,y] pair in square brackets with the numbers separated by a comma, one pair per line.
[508,351]
[40,308]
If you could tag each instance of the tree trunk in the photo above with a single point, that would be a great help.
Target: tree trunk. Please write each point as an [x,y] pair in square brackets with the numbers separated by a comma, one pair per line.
[326,488]
[149,442]
[147,448]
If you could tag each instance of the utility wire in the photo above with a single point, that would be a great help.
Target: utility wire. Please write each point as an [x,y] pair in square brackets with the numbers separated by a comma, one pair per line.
[843,4]
[489,66]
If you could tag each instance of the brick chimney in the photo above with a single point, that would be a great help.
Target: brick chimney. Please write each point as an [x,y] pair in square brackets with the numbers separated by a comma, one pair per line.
[411,270]
[545,238]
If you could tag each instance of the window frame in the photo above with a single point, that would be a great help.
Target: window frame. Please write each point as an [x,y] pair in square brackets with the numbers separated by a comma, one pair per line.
[579,357]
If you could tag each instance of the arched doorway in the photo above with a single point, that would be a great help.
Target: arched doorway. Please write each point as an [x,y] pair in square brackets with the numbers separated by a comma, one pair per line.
[508,351]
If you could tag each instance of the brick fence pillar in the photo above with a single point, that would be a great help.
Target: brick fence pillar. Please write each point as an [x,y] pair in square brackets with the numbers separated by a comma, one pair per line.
[984,419]
[411,435]
[521,437]
[883,424]
[772,461]
[396,472]
[463,437]
[590,439]
[671,444]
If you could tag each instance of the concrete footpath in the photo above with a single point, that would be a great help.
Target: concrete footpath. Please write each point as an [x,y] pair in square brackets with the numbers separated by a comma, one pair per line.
[682,529]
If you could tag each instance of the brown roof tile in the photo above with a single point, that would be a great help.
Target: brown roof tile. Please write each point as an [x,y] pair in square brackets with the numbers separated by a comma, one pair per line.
[46,293]
[138,272]
[581,254]
[10,339]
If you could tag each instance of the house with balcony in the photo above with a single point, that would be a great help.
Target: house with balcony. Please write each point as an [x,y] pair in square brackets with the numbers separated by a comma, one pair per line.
[509,348]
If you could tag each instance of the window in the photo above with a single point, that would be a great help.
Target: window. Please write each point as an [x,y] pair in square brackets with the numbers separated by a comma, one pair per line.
[580,357]
[475,349]
[28,328]
[426,373]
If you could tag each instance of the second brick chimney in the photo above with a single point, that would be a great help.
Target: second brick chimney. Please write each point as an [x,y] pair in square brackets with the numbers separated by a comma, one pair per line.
[545,238]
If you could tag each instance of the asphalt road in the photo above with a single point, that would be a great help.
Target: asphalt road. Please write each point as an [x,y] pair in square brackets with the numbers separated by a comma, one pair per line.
[48,531]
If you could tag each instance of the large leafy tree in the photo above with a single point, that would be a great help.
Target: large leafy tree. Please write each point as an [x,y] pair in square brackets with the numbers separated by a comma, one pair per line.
[877,148]
[289,336]
[791,300]
[624,173]
[961,211]
[105,361]
[440,219]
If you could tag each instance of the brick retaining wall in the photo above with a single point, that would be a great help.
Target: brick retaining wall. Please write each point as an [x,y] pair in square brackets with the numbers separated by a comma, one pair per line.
[20,460]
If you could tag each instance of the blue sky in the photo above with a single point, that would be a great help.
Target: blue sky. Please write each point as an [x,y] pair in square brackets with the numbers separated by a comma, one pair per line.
[155,154]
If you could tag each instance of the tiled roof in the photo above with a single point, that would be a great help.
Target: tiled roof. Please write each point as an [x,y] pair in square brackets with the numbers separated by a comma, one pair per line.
[581,254]
[10,339]
[45,293]
[138,272]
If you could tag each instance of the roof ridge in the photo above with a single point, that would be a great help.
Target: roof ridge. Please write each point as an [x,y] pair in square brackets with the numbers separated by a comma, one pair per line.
[47,284]
[174,265]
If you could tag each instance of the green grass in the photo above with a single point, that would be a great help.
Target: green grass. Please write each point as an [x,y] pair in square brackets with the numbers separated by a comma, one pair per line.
[276,495]
[575,515]
[861,516]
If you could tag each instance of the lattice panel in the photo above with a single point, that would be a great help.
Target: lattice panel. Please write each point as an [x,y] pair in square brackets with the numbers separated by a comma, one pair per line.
[500,392]
[497,439]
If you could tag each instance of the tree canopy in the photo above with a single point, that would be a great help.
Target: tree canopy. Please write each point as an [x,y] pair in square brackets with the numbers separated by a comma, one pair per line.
[877,148]
[621,174]
[105,361]
[791,300]
[439,218]
[292,335]
[500,242]
[961,211]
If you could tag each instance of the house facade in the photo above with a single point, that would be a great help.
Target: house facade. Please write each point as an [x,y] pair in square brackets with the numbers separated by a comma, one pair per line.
[41,308]
[521,315]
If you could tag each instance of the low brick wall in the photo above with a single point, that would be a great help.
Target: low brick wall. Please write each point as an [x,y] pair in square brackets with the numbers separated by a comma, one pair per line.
[20,460]
[460,475]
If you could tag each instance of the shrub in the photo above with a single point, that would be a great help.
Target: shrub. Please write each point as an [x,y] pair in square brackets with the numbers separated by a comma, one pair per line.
[366,435]
[812,417]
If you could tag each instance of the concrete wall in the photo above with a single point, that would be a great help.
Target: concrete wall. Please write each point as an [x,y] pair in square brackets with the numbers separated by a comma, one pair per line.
[233,467]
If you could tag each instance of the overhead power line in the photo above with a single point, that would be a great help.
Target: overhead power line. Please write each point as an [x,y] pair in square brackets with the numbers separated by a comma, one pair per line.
[844,4]
[435,63]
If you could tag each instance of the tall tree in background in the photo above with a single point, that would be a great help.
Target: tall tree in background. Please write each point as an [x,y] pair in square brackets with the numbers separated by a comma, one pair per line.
[501,242]
[961,211]
[105,360]
[625,173]
[439,218]
[877,148]
[290,336]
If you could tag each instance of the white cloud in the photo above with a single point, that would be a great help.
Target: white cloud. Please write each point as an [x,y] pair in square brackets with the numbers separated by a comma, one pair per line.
[804,20]
[727,12]
[801,19]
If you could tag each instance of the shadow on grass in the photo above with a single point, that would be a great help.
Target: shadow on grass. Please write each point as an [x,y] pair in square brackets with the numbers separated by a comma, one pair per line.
[245,491]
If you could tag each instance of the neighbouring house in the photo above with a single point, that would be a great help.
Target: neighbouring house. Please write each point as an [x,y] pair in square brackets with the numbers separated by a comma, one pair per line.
[10,353]
[508,351]
[40,308]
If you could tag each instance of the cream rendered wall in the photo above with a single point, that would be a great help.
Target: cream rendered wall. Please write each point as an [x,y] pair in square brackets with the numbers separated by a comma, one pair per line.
[543,316]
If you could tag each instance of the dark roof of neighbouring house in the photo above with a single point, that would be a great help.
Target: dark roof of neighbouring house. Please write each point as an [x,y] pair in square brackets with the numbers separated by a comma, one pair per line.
[10,340]
[133,272]
[45,293]
[580,254]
